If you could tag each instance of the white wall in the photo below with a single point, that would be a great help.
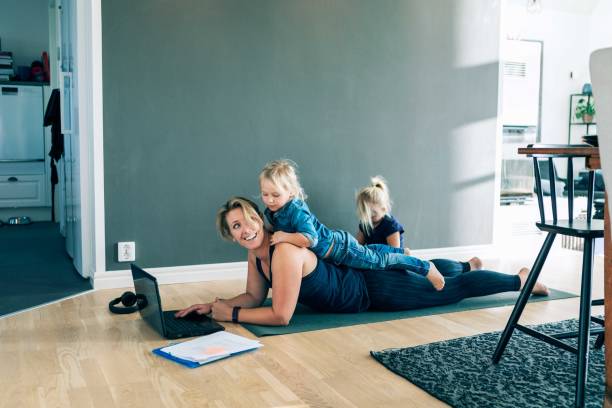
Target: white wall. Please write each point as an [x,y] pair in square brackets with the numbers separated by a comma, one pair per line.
[24,29]
[600,34]
[565,35]
[570,30]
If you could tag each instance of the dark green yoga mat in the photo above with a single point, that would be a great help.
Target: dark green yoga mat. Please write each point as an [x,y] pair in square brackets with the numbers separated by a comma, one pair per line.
[305,319]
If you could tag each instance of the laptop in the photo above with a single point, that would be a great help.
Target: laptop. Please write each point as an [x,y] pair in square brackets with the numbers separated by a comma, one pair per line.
[164,322]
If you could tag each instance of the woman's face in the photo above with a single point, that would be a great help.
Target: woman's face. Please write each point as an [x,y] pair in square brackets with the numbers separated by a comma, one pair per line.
[248,234]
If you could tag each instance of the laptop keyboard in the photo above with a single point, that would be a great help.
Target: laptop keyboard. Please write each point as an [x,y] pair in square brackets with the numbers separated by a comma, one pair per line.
[184,325]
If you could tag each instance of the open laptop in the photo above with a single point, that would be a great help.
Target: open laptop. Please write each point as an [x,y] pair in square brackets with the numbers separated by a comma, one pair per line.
[145,286]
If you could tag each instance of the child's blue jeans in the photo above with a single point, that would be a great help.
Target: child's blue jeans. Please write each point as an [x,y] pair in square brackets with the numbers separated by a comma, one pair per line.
[347,251]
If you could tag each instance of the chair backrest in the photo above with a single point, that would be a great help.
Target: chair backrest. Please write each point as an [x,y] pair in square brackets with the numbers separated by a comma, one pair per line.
[545,161]
[601,76]
[545,170]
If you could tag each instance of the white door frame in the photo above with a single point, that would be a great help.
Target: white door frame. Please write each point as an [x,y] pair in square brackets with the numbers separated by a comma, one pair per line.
[91,151]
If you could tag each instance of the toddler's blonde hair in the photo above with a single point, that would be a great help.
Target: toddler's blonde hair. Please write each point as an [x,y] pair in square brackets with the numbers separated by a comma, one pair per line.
[283,173]
[377,193]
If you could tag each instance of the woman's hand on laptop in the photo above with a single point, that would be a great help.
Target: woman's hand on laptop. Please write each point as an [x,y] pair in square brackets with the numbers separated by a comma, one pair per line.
[222,311]
[200,308]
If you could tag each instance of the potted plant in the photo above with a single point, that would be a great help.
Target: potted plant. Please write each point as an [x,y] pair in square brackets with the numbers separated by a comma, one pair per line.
[585,110]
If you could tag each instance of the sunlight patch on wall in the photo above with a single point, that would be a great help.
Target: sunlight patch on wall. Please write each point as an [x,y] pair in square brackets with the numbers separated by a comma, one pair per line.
[475,46]
[471,180]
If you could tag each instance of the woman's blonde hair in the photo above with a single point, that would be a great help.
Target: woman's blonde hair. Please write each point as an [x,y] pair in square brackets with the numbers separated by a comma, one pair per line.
[249,209]
[377,193]
[283,173]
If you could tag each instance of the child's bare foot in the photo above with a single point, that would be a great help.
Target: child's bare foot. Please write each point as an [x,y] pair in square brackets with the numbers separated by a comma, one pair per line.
[406,251]
[475,263]
[538,289]
[435,277]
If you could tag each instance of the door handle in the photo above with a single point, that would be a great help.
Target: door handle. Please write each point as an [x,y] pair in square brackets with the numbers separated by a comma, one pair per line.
[9,90]
[13,179]
[66,87]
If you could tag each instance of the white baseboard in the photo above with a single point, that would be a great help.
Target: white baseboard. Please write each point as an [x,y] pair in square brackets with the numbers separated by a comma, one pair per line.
[460,253]
[174,274]
[237,270]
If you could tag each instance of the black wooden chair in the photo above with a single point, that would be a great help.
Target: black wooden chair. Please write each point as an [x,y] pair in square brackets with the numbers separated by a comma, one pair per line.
[588,229]
[560,183]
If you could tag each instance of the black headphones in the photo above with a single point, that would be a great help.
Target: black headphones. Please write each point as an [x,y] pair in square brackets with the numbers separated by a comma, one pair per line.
[130,301]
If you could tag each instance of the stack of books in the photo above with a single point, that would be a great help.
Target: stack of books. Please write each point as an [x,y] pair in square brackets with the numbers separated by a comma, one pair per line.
[6,65]
[206,349]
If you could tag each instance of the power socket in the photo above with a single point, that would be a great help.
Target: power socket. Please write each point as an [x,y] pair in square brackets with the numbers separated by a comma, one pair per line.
[126,251]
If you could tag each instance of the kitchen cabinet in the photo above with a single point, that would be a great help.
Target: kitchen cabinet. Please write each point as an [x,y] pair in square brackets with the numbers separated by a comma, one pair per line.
[23,169]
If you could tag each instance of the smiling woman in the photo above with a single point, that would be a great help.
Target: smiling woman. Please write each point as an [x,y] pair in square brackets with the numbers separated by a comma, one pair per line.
[300,277]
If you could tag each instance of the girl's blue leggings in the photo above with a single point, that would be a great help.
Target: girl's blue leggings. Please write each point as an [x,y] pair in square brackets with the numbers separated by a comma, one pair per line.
[396,290]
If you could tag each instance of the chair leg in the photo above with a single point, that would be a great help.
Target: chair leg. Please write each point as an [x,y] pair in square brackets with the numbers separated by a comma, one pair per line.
[585,322]
[599,342]
[523,297]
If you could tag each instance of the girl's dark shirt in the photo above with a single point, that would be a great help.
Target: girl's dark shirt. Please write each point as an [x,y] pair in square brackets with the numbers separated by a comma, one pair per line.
[329,288]
[388,225]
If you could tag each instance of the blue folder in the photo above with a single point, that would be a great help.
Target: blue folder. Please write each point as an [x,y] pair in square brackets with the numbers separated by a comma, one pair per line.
[189,363]
[186,363]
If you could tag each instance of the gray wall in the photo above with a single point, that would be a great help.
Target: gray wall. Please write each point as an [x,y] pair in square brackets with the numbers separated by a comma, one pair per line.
[24,29]
[200,94]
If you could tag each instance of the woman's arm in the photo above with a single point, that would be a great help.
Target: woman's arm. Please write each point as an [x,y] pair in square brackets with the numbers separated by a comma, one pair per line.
[394,240]
[256,292]
[288,264]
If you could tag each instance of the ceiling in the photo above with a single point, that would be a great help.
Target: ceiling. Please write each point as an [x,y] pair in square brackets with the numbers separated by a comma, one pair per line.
[568,6]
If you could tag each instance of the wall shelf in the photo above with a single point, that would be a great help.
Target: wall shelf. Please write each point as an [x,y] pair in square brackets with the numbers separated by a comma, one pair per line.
[578,125]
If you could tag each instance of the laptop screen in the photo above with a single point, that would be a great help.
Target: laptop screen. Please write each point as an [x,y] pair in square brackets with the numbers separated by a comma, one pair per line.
[145,285]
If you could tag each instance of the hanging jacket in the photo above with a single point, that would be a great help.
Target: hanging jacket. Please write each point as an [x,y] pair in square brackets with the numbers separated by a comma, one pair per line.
[53,118]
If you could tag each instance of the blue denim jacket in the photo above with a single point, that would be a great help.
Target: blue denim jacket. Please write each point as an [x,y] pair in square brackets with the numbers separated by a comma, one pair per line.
[295,216]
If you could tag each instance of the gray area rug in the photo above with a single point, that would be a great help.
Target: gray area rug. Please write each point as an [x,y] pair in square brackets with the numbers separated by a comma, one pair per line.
[531,373]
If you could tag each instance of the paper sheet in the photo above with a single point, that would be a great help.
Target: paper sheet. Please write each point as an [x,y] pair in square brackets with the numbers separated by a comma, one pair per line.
[212,347]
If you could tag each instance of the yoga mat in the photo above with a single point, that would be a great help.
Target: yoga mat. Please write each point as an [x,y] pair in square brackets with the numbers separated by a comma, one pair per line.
[305,319]
[531,373]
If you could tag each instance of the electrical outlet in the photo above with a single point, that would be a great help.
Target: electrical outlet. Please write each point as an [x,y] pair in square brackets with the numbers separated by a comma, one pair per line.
[126,251]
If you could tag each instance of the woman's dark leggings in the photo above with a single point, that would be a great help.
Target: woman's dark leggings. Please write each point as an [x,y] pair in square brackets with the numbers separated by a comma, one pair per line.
[398,290]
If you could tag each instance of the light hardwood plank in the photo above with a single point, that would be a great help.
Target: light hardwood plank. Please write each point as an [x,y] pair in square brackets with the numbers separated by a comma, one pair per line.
[76,354]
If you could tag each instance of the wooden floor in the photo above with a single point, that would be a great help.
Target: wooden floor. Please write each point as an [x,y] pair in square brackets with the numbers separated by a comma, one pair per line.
[76,354]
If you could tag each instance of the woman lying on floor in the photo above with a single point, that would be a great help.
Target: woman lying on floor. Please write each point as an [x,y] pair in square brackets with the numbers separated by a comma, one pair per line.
[296,275]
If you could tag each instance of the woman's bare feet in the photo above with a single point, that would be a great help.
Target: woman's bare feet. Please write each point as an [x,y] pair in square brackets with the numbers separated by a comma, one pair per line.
[475,264]
[538,289]
[435,277]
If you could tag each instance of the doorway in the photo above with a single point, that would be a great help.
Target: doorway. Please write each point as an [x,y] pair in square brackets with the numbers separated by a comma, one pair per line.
[46,259]
[563,73]
[521,125]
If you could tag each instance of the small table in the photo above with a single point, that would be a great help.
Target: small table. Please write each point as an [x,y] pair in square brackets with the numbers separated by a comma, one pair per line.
[591,155]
